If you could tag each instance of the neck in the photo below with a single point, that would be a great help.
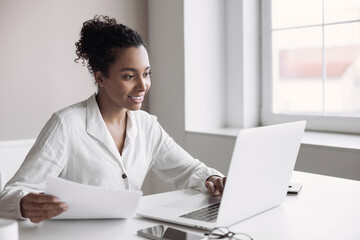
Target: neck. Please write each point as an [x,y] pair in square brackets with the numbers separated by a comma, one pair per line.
[111,113]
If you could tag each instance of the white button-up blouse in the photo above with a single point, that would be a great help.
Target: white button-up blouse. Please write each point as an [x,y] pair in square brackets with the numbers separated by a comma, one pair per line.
[76,145]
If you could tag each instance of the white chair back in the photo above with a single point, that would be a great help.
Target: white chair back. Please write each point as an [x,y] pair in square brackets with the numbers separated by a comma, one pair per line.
[12,154]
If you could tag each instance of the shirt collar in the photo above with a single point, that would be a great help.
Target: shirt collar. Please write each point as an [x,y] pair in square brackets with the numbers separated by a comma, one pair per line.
[131,128]
[96,126]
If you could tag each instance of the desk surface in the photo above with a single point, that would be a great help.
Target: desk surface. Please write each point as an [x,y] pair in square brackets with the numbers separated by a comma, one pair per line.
[326,208]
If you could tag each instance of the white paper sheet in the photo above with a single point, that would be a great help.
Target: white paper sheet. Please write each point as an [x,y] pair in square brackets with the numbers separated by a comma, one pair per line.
[86,201]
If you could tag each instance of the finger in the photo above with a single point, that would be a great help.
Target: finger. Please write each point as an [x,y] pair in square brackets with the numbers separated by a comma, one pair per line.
[212,189]
[210,186]
[37,219]
[41,198]
[40,218]
[29,206]
[49,213]
[32,201]
[219,185]
[44,214]
[44,206]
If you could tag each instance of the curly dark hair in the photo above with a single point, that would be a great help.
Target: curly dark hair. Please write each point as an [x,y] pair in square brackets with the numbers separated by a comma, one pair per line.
[101,41]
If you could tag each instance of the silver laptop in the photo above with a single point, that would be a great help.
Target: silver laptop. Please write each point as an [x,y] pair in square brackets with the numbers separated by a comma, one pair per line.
[258,178]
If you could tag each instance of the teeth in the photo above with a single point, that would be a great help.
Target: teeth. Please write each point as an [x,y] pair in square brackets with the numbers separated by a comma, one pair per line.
[136,98]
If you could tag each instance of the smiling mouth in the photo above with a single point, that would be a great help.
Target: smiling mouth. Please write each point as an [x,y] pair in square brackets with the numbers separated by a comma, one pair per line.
[137,100]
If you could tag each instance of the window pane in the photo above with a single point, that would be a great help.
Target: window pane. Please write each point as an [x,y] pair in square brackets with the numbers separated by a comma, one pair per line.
[290,13]
[342,85]
[297,71]
[339,11]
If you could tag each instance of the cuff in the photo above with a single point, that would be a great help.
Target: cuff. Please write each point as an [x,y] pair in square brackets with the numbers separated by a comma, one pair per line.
[203,176]
[18,207]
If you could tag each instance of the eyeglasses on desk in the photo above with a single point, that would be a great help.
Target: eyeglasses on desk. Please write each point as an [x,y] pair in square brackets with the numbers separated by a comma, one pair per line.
[224,232]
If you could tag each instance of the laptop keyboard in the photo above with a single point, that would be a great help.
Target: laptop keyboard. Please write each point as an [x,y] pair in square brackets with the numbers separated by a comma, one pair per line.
[206,214]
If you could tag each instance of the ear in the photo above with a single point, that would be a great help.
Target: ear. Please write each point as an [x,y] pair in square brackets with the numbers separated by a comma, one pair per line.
[99,78]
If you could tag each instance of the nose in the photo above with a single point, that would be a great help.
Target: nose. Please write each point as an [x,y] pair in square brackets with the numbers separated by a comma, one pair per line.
[142,83]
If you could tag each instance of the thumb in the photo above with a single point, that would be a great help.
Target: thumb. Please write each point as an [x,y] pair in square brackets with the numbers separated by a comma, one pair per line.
[210,186]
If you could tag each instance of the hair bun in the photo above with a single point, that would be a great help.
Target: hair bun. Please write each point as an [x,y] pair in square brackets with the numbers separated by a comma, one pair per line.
[91,33]
[100,38]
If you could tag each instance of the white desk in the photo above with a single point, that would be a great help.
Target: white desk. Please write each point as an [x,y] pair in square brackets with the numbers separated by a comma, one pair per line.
[326,208]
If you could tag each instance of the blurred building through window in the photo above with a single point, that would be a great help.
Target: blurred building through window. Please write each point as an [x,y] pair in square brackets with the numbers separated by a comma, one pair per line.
[316,57]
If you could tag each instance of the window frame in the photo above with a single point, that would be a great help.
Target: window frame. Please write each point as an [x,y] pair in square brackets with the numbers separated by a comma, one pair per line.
[267,117]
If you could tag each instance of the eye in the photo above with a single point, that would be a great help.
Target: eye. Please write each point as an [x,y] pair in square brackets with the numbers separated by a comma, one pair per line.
[147,74]
[129,76]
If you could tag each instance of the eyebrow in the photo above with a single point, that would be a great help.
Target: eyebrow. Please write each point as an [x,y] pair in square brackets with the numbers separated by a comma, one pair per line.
[132,69]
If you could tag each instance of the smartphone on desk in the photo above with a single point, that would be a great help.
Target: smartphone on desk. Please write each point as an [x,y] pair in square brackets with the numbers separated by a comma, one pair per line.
[161,232]
[294,188]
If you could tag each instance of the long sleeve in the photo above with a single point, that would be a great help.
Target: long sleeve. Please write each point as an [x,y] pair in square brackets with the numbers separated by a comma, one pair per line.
[46,157]
[177,167]
[76,145]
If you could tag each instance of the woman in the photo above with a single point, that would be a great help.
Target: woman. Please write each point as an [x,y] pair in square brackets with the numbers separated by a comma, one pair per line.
[106,140]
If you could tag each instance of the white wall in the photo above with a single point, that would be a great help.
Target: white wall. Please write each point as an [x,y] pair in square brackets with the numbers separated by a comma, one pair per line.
[37,52]
[222,64]
[243,63]
[205,64]
[166,51]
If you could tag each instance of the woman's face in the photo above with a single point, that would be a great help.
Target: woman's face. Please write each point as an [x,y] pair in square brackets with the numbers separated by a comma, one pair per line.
[128,80]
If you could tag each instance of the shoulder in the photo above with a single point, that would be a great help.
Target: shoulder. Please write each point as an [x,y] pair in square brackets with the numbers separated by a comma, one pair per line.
[71,114]
[143,120]
[60,123]
[142,115]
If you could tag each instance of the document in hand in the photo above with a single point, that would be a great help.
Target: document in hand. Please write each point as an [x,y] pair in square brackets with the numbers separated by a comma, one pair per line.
[86,202]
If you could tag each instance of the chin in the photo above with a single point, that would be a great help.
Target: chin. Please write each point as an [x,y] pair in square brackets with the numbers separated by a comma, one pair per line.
[134,108]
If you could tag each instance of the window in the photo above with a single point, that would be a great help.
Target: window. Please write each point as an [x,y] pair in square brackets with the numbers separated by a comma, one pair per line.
[311,63]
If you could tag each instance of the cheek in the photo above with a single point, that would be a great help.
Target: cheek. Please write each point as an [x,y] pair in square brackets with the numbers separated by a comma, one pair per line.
[125,88]
[148,84]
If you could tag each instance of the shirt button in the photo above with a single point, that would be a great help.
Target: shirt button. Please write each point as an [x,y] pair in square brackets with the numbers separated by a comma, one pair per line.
[124,176]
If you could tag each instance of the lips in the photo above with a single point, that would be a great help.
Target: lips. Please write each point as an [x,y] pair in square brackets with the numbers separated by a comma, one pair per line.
[138,99]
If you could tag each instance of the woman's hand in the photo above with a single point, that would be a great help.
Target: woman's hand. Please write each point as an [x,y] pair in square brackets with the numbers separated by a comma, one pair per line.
[215,185]
[40,207]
